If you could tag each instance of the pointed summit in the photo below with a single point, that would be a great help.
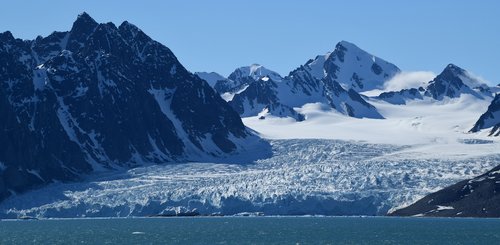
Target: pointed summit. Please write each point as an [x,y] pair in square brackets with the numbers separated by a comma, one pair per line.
[355,68]
[83,26]
[450,83]
[133,35]
[452,69]
[129,27]
[346,45]
[84,15]
[451,73]
[6,36]
[83,23]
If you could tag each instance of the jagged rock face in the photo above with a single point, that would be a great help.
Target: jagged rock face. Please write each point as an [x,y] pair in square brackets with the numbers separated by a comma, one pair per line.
[448,84]
[348,102]
[477,197]
[356,69]
[262,96]
[308,78]
[491,118]
[99,96]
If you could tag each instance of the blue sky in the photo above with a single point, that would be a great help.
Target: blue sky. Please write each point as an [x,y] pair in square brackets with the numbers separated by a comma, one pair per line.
[220,35]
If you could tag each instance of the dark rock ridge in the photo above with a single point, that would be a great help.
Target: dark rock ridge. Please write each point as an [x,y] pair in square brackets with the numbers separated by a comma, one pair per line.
[451,83]
[477,197]
[490,119]
[100,97]
[400,97]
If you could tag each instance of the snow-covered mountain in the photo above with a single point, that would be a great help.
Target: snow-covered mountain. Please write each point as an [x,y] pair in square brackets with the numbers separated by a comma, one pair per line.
[100,97]
[357,69]
[451,83]
[490,119]
[320,80]
[476,197]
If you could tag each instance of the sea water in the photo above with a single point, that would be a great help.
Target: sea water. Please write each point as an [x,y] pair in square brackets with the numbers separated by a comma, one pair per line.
[253,230]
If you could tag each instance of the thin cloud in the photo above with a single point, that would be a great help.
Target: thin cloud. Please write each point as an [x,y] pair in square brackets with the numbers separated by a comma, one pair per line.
[480,79]
[408,79]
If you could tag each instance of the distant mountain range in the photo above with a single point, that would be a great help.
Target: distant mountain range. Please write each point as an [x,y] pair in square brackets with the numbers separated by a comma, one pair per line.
[338,80]
[102,97]
[334,79]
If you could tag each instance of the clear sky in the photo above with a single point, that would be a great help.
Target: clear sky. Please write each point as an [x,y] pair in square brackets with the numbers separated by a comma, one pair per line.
[221,35]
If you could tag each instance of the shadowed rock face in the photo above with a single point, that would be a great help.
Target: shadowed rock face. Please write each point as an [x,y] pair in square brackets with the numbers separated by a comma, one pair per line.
[101,96]
[491,118]
[477,197]
[448,84]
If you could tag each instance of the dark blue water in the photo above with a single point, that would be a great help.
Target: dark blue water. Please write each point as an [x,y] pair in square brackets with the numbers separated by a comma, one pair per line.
[253,230]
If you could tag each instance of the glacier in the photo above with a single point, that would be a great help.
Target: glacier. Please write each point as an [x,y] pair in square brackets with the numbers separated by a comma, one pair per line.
[304,176]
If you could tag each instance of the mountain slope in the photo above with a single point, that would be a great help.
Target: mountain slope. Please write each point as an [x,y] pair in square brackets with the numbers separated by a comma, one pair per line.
[356,69]
[491,118]
[261,97]
[100,97]
[477,197]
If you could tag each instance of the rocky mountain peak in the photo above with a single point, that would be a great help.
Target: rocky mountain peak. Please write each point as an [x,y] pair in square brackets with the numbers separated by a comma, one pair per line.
[99,97]
[451,73]
[450,83]
[84,24]
[6,36]
[355,68]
